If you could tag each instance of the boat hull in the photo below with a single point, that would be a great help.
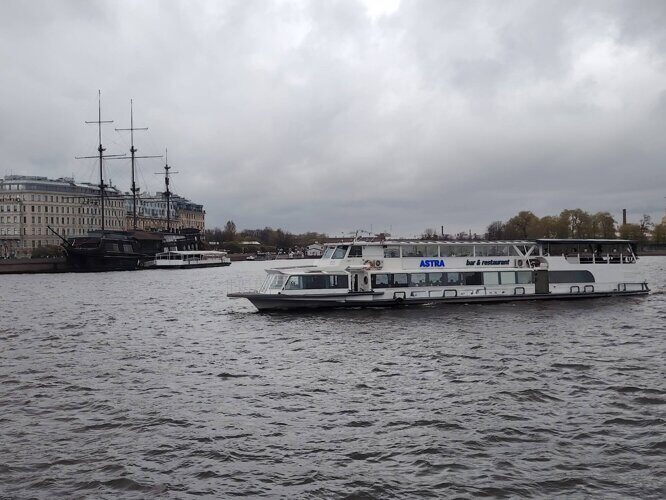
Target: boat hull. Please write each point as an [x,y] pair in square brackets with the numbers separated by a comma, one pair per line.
[190,266]
[273,302]
[96,261]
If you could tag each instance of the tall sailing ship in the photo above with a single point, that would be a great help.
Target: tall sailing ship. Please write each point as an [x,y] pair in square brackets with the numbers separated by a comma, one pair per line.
[113,250]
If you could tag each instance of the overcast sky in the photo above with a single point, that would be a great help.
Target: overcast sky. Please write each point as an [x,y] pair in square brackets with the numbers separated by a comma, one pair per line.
[339,115]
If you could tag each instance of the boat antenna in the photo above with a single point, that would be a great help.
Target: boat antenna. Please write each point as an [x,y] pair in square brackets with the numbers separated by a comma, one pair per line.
[167,191]
[100,151]
[133,156]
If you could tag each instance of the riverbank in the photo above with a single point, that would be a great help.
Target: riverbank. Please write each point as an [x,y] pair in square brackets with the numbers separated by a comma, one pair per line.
[28,266]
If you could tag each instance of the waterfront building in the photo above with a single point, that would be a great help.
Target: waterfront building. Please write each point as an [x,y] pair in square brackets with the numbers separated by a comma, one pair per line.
[29,205]
[315,250]
[152,213]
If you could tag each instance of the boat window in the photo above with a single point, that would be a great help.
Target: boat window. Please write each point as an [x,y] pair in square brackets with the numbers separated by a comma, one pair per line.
[391,252]
[453,279]
[502,250]
[413,250]
[356,251]
[328,253]
[338,281]
[437,279]
[294,283]
[418,279]
[278,282]
[524,277]
[559,249]
[111,247]
[463,250]
[473,278]
[570,277]
[481,250]
[380,280]
[316,282]
[446,251]
[340,252]
[127,248]
[508,277]
[491,278]
[432,251]
[400,280]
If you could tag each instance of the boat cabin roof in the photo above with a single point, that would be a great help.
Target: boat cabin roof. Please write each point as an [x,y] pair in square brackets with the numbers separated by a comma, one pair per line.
[193,252]
[432,242]
[594,241]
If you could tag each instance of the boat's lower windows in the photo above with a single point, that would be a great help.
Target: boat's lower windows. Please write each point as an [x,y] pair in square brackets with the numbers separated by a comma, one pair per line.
[400,280]
[508,277]
[127,248]
[380,280]
[418,279]
[317,282]
[453,279]
[570,277]
[524,277]
[436,279]
[473,278]
[338,281]
[491,278]
[277,282]
[391,252]
[111,247]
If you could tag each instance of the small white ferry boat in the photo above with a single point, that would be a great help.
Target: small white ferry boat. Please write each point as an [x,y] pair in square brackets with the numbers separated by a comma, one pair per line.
[181,259]
[385,273]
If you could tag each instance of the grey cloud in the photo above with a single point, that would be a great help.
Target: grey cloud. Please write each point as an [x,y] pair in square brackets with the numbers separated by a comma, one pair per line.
[314,116]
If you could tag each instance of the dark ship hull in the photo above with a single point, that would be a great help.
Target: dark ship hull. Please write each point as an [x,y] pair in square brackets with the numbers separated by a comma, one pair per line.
[104,251]
[90,261]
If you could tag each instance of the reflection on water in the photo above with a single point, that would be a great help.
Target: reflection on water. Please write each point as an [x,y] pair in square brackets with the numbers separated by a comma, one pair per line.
[155,384]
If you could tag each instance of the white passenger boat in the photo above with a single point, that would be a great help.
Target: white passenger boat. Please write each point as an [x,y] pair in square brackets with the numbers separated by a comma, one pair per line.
[384,273]
[181,259]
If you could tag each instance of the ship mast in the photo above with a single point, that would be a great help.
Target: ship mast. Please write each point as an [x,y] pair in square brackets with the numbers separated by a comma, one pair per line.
[100,155]
[133,151]
[167,191]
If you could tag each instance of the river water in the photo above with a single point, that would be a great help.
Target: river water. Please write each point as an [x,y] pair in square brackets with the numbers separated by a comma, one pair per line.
[155,384]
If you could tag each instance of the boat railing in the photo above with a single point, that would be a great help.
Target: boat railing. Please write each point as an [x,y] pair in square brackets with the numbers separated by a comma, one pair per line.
[239,285]
[597,258]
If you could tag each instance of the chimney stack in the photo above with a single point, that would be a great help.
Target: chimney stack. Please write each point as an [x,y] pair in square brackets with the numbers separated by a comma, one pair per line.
[624,216]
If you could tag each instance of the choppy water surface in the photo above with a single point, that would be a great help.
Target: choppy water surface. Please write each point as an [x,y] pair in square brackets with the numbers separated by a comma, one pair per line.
[155,384]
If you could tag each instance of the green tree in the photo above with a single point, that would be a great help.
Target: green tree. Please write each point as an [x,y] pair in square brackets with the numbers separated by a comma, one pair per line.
[552,227]
[522,226]
[602,225]
[229,232]
[578,223]
[659,233]
[632,232]
[429,234]
[495,231]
